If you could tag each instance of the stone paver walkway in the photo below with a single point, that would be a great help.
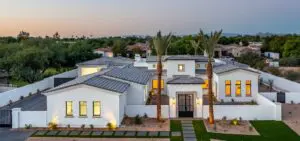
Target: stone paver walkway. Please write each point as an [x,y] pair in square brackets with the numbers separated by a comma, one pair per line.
[188,130]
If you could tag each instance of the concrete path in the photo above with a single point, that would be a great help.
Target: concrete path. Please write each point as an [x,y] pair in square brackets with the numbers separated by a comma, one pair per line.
[6,134]
[188,130]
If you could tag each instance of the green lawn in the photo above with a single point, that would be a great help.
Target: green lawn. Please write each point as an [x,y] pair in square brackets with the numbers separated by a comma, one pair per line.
[175,125]
[268,130]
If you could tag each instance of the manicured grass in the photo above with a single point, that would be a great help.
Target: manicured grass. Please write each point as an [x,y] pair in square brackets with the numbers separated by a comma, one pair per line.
[268,130]
[175,125]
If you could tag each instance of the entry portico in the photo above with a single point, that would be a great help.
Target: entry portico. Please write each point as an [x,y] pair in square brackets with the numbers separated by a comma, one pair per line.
[185,94]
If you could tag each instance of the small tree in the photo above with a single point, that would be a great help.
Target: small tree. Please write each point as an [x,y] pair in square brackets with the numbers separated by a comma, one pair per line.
[271,81]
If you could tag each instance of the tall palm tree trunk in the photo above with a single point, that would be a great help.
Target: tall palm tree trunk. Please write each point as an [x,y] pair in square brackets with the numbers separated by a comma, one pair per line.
[159,73]
[210,93]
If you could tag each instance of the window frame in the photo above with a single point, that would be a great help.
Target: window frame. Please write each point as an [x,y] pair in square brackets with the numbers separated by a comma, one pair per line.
[228,94]
[236,88]
[80,115]
[250,89]
[94,109]
[66,104]
[183,67]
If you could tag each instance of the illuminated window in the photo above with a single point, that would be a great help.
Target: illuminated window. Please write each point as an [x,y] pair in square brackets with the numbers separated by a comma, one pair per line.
[238,88]
[248,87]
[82,108]
[197,66]
[96,109]
[228,88]
[69,108]
[181,67]
[155,84]
[205,85]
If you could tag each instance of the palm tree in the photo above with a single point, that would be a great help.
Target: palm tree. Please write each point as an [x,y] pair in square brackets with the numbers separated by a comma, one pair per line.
[195,45]
[160,43]
[208,44]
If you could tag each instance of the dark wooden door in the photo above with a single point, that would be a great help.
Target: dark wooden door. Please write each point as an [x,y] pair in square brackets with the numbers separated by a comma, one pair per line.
[185,105]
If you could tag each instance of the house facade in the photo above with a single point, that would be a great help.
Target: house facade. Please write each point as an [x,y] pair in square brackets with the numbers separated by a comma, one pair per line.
[108,94]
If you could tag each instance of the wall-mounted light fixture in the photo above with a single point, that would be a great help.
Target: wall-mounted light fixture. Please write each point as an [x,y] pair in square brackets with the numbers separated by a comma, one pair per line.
[173,100]
[198,101]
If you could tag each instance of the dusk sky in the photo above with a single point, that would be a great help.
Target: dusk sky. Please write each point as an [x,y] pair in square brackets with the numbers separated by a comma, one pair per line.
[145,17]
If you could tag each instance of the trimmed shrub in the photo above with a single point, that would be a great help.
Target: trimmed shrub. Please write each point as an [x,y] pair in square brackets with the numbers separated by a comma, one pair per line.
[91,126]
[138,119]
[28,126]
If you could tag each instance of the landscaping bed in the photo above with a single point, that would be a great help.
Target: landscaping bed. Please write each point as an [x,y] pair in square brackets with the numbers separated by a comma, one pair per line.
[144,124]
[231,127]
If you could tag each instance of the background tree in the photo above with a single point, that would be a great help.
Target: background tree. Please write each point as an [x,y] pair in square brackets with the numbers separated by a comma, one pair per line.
[208,44]
[23,35]
[56,36]
[161,43]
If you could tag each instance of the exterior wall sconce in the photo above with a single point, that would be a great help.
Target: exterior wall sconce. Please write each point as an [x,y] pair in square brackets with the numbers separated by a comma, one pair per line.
[173,101]
[198,101]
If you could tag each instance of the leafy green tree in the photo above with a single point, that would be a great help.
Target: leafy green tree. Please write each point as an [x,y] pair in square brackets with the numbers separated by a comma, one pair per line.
[252,59]
[292,48]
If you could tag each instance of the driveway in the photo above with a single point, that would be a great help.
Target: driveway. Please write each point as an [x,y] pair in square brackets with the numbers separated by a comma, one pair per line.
[6,134]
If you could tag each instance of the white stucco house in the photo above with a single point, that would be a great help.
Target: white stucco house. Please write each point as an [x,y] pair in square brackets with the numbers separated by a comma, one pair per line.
[109,88]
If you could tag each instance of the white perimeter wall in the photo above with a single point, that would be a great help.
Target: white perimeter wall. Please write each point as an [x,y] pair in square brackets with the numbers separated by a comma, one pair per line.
[279,82]
[35,118]
[265,110]
[150,110]
[289,96]
[46,83]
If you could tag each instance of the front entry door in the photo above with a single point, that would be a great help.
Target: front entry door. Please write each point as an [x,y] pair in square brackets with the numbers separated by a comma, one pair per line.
[185,105]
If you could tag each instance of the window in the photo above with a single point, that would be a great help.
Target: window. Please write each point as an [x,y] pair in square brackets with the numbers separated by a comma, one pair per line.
[197,66]
[248,87]
[69,108]
[96,109]
[155,84]
[205,85]
[181,67]
[228,88]
[82,108]
[205,66]
[238,88]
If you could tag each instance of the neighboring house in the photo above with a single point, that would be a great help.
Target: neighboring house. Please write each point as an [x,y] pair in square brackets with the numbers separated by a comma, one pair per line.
[234,50]
[237,52]
[272,62]
[140,48]
[101,63]
[272,55]
[106,95]
[105,52]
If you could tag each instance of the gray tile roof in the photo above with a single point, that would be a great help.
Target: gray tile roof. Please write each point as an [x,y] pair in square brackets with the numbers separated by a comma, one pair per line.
[109,61]
[200,71]
[36,102]
[230,67]
[197,58]
[130,73]
[107,84]
[186,80]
